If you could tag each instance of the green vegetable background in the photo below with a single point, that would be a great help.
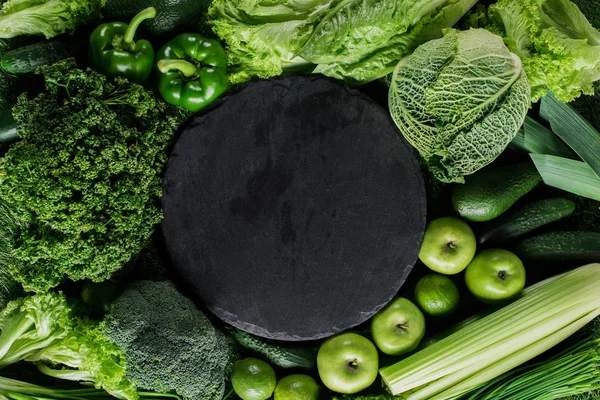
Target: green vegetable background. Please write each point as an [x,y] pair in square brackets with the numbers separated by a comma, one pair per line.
[500,100]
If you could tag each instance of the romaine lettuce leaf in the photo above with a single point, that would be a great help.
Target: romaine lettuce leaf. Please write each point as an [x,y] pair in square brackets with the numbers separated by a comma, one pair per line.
[377,55]
[355,40]
[264,37]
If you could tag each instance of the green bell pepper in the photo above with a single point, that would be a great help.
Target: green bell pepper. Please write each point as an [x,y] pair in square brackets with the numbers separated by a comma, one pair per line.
[192,71]
[113,51]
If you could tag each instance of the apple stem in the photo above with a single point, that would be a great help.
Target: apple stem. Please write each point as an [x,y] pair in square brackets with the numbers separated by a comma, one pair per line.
[353,365]
[452,245]
[402,326]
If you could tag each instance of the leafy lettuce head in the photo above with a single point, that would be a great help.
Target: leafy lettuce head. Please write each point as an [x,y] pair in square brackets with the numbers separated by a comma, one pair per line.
[559,47]
[459,101]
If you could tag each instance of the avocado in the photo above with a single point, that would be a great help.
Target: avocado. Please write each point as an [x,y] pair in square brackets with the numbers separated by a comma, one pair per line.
[490,192]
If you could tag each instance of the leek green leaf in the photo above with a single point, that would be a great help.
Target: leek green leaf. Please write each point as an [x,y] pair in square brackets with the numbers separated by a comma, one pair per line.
[540,140]
[571,127]
[569,175]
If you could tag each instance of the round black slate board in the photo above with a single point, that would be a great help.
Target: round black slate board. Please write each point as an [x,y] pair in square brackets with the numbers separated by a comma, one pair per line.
[293,208]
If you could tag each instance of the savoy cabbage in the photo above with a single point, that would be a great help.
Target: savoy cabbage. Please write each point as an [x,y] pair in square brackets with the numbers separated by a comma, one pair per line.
[459,101]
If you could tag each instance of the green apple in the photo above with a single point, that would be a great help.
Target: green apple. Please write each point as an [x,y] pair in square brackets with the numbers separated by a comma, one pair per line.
[398,328]
[495,276]
[347,363]
[448,246]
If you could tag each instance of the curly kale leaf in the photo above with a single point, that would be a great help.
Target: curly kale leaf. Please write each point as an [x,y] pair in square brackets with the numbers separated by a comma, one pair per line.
[459,101]
[85,180]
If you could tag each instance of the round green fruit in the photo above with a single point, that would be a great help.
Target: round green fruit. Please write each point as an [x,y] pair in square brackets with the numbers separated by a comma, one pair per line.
[297,387]
[253,379]
[495,276]
[448,245]
[347,363]
[398,328]
[437,295]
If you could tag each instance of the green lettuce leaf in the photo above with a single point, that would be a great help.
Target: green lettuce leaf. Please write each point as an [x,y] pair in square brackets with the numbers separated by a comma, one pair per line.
[459,101]
[559,47]
[46,17]
[381,61]
[264,37]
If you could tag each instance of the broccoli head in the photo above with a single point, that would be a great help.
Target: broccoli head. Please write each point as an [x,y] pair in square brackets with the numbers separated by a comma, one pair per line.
[168,343]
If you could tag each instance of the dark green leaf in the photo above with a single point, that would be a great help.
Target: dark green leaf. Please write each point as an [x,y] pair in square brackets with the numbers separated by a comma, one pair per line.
[574,130]
[569,175]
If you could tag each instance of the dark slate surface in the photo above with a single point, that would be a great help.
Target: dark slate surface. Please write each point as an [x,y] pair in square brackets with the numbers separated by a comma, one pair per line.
[293,208]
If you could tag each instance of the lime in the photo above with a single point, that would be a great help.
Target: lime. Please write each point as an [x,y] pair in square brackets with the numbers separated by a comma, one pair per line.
[253,379]
[437,295]
[297,387]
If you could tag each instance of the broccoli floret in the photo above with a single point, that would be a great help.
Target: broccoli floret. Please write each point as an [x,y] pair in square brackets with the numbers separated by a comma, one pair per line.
[169,344]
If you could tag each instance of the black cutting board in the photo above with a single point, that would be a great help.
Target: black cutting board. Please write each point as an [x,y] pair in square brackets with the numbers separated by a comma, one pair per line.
[293,208]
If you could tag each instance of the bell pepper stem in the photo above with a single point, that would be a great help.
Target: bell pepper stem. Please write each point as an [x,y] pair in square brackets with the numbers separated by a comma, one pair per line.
[185,67]
[145,14]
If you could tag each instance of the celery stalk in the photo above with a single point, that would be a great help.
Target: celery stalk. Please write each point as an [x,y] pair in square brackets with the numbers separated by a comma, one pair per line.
[541,318]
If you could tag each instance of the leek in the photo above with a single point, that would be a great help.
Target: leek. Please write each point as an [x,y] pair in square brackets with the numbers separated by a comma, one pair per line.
[501,341]
[569,175]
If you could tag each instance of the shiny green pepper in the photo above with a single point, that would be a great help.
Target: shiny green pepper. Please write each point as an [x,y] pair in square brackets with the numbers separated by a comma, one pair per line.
[192,71]
[113,51]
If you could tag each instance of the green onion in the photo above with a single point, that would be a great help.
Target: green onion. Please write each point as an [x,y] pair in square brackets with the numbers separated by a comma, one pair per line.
[569,175]
[574,371]
[500,341]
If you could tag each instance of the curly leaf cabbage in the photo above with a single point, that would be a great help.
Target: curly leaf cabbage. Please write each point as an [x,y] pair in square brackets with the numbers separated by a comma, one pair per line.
[559,47]
[459,101]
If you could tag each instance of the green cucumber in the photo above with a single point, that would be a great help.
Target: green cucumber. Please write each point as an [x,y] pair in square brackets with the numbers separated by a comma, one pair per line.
[282,355]
[26,59]
[8,127]
[490,192]
[561,246]
[532,216]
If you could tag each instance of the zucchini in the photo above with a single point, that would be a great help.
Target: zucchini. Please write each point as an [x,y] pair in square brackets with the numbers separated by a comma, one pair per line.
[282,355]
[561,246]
[8,127]
[26,59]
[532,216]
